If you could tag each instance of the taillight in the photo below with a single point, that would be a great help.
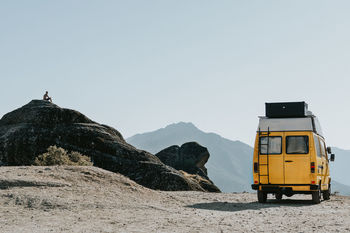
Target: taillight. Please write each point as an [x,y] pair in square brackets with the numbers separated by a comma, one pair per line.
[312,167]
[256,169]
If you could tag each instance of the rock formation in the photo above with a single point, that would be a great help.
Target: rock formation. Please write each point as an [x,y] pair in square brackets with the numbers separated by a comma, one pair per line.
[28,131]
[190,158]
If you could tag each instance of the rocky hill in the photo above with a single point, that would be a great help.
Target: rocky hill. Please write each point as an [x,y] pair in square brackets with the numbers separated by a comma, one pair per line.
[28,131]
[190,158]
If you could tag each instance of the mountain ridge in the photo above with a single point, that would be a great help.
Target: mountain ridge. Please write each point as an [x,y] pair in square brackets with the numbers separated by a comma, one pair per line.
[181,123]
[225,170]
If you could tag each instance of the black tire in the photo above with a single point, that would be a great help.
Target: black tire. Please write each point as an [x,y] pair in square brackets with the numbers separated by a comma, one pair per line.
[262,196]
[279,196]
[327,193]
[316,196]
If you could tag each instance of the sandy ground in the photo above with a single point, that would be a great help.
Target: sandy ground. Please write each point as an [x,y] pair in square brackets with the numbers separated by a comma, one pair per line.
[88,199]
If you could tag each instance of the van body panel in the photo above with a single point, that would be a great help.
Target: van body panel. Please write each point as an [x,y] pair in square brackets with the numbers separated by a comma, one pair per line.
[276,169]
[301,188]
[297,171]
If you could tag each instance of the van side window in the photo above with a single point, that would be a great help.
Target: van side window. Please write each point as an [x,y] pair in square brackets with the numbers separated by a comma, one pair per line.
[275,145]
[297,144]
[323,148]
[317,146]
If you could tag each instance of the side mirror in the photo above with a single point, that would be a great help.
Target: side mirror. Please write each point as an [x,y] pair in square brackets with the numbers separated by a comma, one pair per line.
[329,150]
[332,157]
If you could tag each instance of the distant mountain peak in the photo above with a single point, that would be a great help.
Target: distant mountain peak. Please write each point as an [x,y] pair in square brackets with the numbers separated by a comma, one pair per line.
[182,125]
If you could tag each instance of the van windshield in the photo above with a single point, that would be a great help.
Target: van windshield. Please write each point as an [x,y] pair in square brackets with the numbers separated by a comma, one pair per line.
[297,144]
[274,143]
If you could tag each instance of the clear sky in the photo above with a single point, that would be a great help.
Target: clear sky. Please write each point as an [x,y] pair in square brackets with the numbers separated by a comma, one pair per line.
[140,65]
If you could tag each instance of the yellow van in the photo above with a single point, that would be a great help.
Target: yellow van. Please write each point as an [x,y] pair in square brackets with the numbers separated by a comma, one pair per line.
[290,154]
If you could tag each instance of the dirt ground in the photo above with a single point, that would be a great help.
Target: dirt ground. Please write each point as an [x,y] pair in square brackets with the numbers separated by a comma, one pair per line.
[89,199]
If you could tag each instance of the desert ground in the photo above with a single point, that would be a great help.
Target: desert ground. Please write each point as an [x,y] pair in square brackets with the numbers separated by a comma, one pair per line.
[89,199]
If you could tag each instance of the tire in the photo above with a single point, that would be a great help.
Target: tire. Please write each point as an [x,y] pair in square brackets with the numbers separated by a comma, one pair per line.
[316,196]
[279,196]
[327,193]
[262,196]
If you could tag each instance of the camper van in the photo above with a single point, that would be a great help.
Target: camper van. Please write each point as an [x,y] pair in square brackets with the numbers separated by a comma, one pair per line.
[290,154]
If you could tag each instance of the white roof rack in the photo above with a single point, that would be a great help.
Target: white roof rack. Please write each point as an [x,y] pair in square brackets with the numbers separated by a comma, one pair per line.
[309,123]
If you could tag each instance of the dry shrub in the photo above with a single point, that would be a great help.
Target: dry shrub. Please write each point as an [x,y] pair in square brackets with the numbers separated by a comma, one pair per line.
[59,156]
[193,177]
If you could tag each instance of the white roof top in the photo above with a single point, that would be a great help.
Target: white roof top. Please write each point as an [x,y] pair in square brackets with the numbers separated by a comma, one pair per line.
[290,124]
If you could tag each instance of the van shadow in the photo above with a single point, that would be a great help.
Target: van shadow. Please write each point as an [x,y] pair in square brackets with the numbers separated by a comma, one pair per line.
[238,206]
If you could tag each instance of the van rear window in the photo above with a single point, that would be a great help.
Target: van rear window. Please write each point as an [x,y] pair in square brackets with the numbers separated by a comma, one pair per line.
[274,143]
[297,144]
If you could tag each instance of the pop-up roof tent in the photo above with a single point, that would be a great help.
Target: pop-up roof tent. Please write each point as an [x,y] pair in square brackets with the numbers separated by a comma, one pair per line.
[289,116]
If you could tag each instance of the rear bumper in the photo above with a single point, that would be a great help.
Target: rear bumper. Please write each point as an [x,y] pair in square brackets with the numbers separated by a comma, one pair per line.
[282,188]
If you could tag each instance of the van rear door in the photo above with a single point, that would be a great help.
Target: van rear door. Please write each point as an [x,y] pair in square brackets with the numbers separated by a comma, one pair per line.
[297,158]
[271,158]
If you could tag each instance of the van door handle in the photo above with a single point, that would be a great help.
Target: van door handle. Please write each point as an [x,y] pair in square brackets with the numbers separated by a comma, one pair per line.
[288,161]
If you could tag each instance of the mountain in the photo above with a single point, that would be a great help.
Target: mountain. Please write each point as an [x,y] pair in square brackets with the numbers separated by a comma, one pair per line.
[229,165]
[340,188]
[339,168]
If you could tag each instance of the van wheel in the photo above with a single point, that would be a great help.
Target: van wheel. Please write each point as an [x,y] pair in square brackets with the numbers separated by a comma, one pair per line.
[316,196]
[278,196]
[262,196]
[327,193]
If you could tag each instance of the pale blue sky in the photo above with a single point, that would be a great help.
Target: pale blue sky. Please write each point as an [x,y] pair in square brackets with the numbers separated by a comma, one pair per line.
[140,65]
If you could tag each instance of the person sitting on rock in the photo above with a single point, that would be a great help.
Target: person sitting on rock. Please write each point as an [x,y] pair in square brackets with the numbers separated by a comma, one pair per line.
[47,97]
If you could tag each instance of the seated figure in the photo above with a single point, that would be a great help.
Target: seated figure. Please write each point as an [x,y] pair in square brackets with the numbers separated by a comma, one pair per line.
[47,97]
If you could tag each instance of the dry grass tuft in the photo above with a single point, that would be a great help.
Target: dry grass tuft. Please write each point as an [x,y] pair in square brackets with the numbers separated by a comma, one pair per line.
[59,156]
[193,177]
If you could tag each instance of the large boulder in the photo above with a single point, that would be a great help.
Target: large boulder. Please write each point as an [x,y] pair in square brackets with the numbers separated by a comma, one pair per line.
[28,131]
[190,158]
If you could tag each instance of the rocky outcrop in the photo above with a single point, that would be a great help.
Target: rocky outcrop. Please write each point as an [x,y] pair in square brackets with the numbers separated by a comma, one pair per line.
[28,131]
[190,158]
